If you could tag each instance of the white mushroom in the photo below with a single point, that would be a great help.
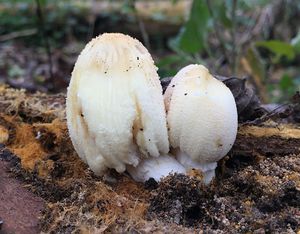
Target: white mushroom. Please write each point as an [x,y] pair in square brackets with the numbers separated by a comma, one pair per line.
[155,168]
[202,119]
[115,110]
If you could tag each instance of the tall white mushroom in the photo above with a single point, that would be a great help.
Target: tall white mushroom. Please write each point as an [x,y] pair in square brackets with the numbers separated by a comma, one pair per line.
[202,119]
[115,110]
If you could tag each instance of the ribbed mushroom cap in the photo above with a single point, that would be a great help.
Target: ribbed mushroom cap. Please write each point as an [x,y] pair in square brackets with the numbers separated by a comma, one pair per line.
[202,115]
[115,109]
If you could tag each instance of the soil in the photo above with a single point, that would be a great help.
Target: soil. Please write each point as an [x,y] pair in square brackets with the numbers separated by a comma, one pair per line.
[256,190]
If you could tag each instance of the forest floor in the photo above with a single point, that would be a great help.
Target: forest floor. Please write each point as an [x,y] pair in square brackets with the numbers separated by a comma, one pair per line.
[45,187]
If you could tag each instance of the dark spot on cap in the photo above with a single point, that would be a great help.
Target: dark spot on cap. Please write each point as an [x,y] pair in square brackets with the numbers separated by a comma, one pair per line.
[82,115]
[173,85]
[138,58]
[219,143]
[141,129]
[185,94]
[168,129]
[149,139]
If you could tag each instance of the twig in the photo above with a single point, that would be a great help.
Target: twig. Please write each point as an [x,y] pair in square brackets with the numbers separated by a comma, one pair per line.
[141,26]
[14,35]
[249,34]
[267,116]
[143,32]
[92,20]
[217,31]
[258,81]
[41,24]
[263,18]
[233,37]
[218,63]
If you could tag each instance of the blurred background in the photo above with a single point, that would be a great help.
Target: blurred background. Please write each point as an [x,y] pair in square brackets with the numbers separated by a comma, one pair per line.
[255,39]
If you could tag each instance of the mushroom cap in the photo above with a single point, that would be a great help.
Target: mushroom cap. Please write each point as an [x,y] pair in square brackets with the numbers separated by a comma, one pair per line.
[202,115]
[115,109]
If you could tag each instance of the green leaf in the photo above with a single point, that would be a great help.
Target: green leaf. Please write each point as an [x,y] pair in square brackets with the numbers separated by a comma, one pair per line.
[221,12]
[168,66]
[279,48]
[295,42]
[192,36]
[253,4]
[42,2]
[222,15]
[288,86]
[169,60]
[286,82]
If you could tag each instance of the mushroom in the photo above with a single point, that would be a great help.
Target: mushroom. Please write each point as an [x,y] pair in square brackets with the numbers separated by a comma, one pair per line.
[115,109]
[202,119]
[155,168]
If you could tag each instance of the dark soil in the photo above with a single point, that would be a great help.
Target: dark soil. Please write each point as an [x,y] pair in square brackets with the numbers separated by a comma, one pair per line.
[257,197]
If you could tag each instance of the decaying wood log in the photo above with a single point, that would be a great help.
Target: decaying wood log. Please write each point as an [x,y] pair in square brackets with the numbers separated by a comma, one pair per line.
[37,112]
[262,171]
[267,140]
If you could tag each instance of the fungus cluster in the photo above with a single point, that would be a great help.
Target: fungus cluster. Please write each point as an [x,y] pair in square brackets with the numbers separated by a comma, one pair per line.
[116,113]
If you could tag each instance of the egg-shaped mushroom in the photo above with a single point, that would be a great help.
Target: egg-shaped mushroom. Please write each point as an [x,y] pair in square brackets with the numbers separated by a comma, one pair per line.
[115,109]
[202,119]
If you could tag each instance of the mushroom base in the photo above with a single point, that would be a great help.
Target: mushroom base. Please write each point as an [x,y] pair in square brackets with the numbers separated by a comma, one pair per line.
[155,168]
[208,169]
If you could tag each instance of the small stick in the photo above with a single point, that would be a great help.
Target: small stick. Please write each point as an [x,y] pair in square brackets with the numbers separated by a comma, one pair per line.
[22,33]
[217,31]
[233,37]
[47,44]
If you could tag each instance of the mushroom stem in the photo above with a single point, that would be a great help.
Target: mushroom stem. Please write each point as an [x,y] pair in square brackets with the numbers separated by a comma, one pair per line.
[208,169]
[155,168]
